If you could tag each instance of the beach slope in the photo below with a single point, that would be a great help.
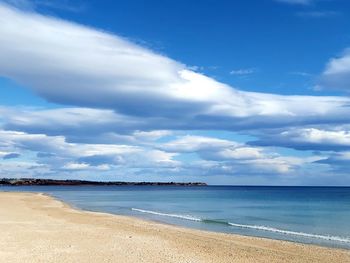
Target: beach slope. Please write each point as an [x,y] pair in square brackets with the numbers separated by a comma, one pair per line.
[38,228]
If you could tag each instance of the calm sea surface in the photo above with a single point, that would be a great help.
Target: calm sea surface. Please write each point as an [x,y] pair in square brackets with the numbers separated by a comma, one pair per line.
[318,215]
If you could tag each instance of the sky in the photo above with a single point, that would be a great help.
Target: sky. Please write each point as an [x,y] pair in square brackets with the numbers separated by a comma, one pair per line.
[253,92]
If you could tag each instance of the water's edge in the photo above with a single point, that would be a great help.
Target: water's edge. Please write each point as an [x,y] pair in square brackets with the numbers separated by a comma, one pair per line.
[304,216]
[340,239]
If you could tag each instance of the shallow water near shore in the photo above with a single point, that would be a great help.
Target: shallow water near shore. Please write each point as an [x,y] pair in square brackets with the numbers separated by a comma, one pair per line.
[316,215]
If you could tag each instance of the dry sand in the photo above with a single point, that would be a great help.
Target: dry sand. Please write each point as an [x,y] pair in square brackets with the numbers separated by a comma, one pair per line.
[38,228]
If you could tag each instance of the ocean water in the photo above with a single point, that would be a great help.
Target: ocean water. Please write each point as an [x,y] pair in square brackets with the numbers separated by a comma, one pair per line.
[316,215]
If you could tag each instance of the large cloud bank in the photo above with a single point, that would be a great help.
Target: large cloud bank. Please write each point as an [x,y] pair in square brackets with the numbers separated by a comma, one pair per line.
[125,106]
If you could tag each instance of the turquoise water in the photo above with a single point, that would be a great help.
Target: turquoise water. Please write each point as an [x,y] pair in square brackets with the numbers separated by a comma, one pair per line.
[318,215]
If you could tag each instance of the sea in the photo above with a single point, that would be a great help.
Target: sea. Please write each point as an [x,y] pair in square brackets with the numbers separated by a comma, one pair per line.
[312,215]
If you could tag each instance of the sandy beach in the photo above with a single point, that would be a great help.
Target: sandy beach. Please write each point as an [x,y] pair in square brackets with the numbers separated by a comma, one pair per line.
[38,228]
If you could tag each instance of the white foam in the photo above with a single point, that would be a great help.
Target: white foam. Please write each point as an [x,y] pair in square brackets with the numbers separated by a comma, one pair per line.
[186,217]
[294,233]
[255,227]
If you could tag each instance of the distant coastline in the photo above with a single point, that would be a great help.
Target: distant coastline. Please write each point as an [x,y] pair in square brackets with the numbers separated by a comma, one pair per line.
[34,181]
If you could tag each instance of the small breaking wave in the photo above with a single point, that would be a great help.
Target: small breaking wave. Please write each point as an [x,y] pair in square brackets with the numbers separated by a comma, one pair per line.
[168,215]
[292,233]
[253,227]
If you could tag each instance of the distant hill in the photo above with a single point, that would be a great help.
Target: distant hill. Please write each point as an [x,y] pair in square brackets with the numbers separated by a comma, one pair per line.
[32,181]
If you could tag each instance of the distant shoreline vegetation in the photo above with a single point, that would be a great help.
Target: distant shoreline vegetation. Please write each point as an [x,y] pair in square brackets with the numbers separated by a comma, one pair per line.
[32,181]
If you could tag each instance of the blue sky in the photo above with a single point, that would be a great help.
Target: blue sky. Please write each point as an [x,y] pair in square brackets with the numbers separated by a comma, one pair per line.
[225,92]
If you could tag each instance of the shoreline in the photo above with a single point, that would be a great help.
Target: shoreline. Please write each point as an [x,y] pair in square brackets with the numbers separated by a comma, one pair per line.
[46,229]
[339,240]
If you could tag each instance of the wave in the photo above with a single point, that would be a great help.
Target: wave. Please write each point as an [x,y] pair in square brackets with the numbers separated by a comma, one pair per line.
[169,215]
[293,233]
[253,227]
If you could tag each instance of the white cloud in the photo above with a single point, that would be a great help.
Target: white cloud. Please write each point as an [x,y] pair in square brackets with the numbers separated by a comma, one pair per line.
[243,153]
[84,166]
[123,98]
[65,5]
[327,138]
[22,169]
[71,59]
[57,145]
[337,73]
[57,154]
[312,135]
[300,73]
[53,156]
[81,66]
[151,135]
[45,118]
[251,160]
[242,72]
[232,157]
[191,143]
[84,125]
[76,166]
[77,124]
